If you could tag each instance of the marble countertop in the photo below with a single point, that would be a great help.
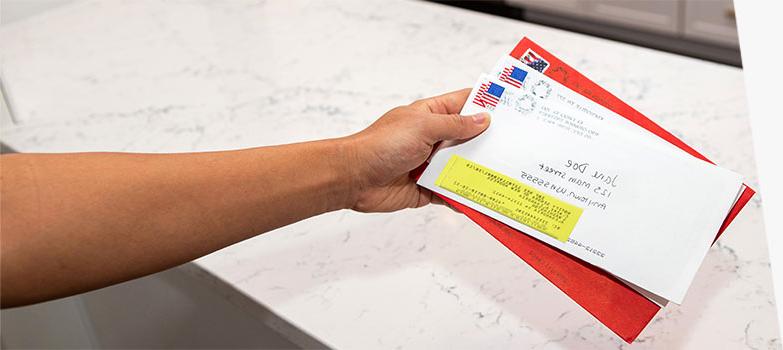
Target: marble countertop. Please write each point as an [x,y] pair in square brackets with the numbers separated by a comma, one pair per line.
[155,76]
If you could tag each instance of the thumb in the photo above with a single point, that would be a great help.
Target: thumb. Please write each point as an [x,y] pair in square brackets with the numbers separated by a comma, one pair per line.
[442,127]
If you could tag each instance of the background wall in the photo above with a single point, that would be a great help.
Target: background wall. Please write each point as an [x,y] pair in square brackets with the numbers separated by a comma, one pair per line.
[704,29]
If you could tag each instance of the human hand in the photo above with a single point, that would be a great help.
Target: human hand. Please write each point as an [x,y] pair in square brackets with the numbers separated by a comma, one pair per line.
[400,141]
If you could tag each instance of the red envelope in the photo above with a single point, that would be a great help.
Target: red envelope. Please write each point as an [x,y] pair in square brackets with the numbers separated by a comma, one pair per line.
[623,310]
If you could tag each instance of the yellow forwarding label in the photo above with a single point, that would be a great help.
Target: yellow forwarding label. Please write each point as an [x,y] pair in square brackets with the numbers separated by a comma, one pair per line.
[509,197]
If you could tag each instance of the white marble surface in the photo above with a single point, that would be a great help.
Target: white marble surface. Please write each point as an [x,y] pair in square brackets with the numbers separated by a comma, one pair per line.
[154,76]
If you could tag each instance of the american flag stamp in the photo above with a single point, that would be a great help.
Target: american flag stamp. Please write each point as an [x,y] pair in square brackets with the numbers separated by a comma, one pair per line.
[512,76]
[488,95]
[533,60]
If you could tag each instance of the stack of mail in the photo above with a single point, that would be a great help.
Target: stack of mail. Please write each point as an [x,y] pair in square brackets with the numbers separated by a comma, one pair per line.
[585,189]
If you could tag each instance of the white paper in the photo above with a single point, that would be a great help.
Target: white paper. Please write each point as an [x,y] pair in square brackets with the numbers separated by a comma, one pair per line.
[664,208]
[569,99]
[554,93]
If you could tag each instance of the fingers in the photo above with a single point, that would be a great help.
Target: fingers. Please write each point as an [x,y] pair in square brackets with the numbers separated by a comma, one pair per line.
[450,103]
[431,198]
[445,123]
[441,127]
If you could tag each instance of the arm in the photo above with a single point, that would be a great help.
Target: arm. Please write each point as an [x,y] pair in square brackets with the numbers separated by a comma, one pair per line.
[76,222]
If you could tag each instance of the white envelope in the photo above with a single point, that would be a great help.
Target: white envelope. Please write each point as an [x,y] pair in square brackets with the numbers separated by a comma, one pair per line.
[557,93]
[642,212]
[543,87]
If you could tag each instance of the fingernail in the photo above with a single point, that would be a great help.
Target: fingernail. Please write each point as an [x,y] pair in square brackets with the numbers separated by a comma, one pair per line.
[480,118]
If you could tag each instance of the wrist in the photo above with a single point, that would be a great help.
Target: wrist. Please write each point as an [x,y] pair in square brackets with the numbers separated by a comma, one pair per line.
[347,166]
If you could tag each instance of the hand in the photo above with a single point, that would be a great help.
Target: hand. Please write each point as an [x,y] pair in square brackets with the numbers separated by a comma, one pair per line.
[402,140]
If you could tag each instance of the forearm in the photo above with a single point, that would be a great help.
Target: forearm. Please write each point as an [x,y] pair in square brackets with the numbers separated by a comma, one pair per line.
[76,222]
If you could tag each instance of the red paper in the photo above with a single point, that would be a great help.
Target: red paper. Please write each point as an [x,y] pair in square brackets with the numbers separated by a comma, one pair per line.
[623,310]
